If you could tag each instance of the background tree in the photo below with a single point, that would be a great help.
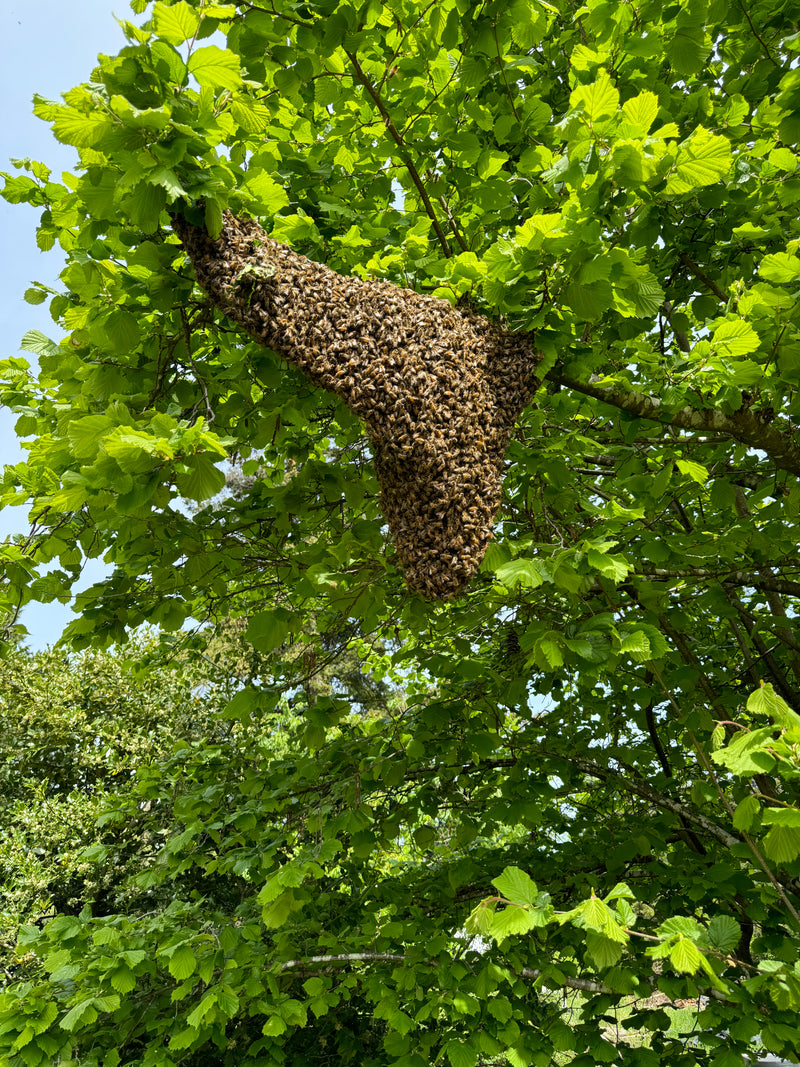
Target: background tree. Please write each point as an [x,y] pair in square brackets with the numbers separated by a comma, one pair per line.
[606,707]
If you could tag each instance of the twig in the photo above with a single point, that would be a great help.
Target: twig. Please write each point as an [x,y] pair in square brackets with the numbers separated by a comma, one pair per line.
[403,151]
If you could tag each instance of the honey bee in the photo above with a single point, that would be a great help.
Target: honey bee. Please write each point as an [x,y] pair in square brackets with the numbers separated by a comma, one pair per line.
[439,388]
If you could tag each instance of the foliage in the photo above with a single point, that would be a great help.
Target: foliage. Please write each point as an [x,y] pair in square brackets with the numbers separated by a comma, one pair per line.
[75,731]
[603,726]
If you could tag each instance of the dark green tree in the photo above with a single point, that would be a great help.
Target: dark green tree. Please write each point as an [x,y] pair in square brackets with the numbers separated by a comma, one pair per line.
[561,247]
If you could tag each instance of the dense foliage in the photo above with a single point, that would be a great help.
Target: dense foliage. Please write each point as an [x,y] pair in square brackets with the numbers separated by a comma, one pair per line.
[418,831]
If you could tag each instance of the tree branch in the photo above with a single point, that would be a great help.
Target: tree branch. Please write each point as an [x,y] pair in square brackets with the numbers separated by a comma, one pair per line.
[744,426]
[641,789]
[751,578]
[698,272]
[396,136]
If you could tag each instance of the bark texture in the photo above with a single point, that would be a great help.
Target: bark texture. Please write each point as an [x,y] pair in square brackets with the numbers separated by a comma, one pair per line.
[438,389]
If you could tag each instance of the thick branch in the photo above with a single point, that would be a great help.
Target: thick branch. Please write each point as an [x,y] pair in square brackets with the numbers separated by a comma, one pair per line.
[345,957]
[781,445]
[320,964]
[749,578]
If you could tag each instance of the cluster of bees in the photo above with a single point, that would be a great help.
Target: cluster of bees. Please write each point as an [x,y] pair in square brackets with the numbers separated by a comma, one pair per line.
[437,388]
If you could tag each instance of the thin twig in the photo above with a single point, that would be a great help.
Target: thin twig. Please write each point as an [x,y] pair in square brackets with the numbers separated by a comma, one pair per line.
[403,151]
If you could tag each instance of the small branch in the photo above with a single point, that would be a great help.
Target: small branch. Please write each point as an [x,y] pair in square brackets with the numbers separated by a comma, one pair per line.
[639,788]
[394,133]
[690,660]
[729,807]
[681,339]
[503,72]
[450,217]
[347,957]
[698,272]
[584,984]
[767,53]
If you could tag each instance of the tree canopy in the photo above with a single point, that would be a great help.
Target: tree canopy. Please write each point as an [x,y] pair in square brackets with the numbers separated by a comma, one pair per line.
[465,785]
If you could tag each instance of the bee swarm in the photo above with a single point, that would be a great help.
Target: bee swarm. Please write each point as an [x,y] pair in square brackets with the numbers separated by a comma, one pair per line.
[438,389]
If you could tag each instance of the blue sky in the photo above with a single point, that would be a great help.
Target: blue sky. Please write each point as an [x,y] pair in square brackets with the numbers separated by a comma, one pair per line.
[48,47]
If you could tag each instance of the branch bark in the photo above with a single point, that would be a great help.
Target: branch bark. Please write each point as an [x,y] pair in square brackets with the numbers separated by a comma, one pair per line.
[781,445]
[641,789]
[750,578]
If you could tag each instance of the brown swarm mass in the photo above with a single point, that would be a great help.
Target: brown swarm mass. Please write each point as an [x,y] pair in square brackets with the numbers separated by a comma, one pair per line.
[438,389]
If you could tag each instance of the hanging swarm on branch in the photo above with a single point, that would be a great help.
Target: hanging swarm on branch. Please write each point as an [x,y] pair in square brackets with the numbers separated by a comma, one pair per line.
[438,389]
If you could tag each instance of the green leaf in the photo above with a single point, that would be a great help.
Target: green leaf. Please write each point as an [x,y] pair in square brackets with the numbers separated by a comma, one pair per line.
[510,921]
[201,480]
[182,962]
[685,956]
[85,434]
[134,452]
[614,567]
[250,116]
[735,338]
[780,267]
[79,129]
[782,843]
[683,925]
[695,471]
[122,330]
[82,1014]
[765,701]
[35,341]
[268,629]
[781,817]
[184,1038]
[227,1001]
[724,933]
[461,1053]
[215,67]
[268,195]
[590,301]
[604,951]
[783,159]
[526,573]
[527,24]
[212,215]
[195,1018]
[727,1058]
[702,160]
[145,204]
[637,646]
[639,113]
[746,812]
[123,980]
[517,886]
[599,100]
[748,753]
[689,48]
[177,23]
